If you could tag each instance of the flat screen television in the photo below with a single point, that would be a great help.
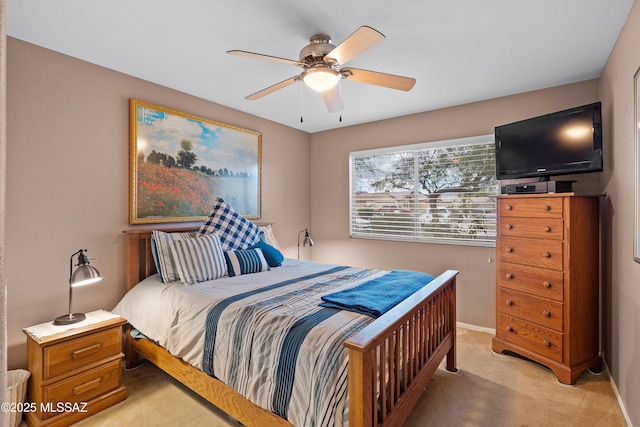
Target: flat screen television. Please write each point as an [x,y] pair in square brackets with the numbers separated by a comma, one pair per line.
[560,143]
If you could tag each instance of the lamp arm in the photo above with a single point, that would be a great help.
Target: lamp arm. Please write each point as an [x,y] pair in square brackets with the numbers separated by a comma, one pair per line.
[80,252]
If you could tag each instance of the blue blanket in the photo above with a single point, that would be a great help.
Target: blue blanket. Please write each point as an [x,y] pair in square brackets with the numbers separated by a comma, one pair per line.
[377,296]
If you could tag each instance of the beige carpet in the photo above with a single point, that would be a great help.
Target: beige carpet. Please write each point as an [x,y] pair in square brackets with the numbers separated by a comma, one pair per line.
[490,390]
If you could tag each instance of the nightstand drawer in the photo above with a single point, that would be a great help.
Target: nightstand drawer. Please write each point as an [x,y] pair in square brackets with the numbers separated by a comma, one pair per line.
[540,228]
[540,207]
[531,337]
[542,311]
[85,386]
[67,356]
[534,280]
[535,252]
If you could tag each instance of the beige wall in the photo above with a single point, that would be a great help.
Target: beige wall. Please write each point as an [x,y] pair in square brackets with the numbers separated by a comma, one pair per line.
[330,190]
[68,179]
[622,293]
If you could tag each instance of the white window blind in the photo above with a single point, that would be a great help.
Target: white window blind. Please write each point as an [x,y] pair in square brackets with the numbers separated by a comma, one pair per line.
[442,192]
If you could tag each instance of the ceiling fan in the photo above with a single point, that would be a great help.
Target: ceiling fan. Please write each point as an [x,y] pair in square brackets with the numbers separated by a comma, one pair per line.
[321,62]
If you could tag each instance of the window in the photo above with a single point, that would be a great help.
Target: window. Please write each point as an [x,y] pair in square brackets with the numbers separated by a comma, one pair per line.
[439,192]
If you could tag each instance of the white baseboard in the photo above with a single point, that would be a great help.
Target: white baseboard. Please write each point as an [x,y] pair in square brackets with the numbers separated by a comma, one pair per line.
[491,331]
[605,367]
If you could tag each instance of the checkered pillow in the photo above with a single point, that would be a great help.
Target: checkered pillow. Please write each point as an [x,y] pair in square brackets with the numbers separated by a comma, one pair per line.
[235,231]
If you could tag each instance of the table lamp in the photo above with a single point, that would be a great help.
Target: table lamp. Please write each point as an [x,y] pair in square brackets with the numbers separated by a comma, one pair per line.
[84,275]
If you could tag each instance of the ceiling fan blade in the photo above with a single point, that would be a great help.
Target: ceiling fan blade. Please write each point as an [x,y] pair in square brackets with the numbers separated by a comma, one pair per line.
[362,39]
[261,56]
[332,99]
[273,88]
[379,79]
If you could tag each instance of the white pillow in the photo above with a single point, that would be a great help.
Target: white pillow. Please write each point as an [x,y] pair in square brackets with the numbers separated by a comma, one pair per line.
[268,237]
[199,259]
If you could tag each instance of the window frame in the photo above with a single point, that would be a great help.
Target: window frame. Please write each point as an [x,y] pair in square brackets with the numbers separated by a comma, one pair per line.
[415,193]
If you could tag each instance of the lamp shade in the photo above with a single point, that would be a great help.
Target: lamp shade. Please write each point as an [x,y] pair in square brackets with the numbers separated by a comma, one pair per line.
[84,275]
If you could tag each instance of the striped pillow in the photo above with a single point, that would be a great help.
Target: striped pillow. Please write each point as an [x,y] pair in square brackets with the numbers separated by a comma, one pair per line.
[245,262]
[198,259]
[165,264]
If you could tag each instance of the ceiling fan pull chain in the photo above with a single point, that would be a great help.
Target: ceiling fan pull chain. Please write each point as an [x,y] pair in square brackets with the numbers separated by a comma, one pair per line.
[340,118]
[301,103]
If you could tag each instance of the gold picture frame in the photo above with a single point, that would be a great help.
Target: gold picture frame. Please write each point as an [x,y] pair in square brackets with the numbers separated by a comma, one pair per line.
[180,163]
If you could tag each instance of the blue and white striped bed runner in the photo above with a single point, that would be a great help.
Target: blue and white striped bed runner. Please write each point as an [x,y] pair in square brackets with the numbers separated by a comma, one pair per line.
[277,347]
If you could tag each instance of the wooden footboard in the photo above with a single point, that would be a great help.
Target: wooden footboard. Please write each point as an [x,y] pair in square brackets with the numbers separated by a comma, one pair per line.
[390,361]
[393,359]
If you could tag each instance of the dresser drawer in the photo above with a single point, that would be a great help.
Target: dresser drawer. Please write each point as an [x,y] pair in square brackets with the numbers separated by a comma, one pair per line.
[535,252]
[537,207]
[67,356]
[85,386]
[542,311]
[540,228]
[532,337]
[534,280]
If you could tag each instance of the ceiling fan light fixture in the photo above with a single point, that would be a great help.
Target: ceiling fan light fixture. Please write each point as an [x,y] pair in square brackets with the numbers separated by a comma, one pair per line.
[321,78]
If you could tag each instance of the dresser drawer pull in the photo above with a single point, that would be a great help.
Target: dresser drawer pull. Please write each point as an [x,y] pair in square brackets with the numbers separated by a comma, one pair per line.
[509,276]
[547,313]
[83,388]
[546,284]
[86,351]
[547,343]
[547,229]
[508,207]
[509,302]
[546,254]
[509,249]
[509,328]
[509,226]
[547,208]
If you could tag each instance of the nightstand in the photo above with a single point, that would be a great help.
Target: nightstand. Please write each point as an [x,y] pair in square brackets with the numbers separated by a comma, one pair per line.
[76,370]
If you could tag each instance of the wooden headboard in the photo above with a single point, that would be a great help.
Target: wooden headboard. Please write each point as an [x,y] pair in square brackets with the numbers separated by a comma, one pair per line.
[139,260]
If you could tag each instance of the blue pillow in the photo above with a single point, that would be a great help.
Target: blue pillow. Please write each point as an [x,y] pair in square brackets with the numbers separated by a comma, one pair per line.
[245,261]
[273,256]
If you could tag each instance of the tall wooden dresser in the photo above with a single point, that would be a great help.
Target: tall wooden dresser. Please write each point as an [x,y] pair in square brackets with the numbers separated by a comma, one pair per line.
[547,281]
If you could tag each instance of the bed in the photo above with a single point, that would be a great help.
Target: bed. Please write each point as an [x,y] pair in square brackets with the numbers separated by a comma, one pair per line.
[390,360]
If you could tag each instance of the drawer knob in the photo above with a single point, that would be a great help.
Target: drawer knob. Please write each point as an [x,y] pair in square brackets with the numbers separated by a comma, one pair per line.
[509,302]
[509,249]
[547,313]
[510,328]
[547,343]
[547,229]
[509,226]
[547,208]
[546,254]
[508,207]
[509,276]
[546,284]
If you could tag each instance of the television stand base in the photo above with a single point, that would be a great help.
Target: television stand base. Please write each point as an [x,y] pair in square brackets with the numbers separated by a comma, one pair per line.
[541,187]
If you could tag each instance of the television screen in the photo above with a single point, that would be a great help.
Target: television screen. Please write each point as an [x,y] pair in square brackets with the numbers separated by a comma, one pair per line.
[565,142]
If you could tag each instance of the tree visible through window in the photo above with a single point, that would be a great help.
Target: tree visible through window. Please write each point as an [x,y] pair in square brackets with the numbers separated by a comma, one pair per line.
[437,192]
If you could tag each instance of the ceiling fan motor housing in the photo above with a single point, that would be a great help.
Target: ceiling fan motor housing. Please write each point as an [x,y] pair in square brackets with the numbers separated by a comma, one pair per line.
[315,51]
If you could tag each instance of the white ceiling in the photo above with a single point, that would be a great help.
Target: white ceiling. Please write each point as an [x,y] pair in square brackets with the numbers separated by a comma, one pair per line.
[459,51]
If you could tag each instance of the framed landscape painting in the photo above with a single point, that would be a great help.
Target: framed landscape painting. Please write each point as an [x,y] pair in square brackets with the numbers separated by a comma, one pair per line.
[180,163]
